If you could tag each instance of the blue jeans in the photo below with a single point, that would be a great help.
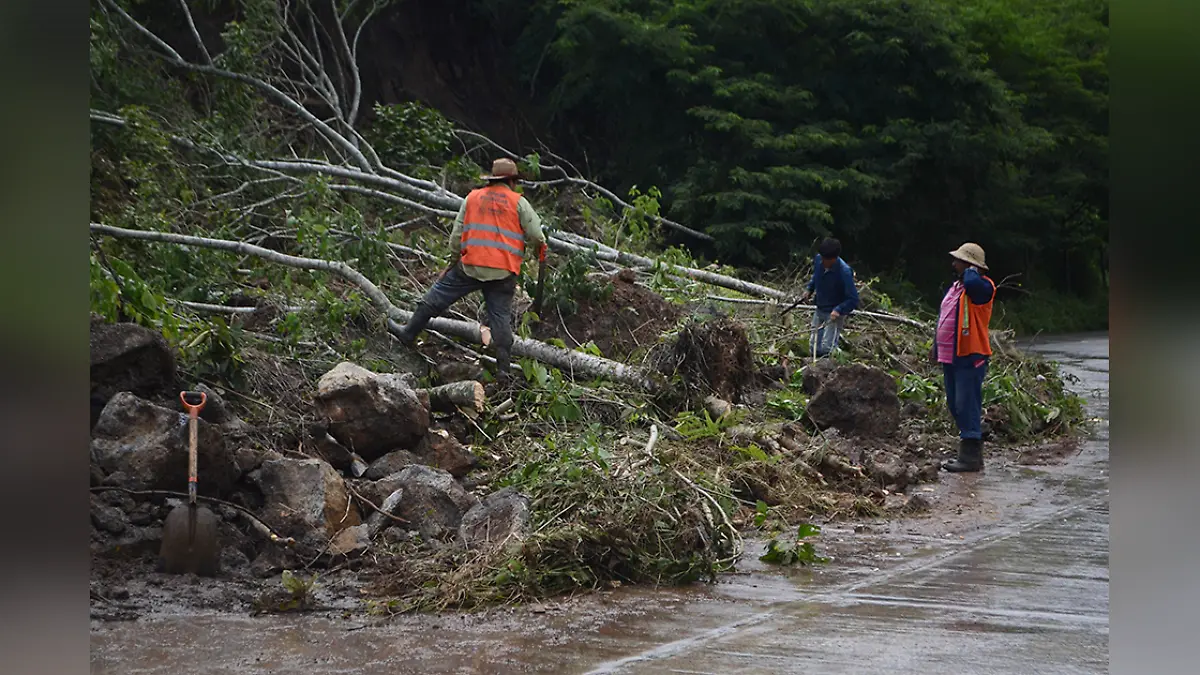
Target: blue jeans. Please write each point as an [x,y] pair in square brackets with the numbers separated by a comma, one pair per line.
[964,393]
[827,337]
[453,286]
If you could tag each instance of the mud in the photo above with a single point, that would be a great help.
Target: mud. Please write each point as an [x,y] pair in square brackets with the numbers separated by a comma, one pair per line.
[1031,538]
[630,320]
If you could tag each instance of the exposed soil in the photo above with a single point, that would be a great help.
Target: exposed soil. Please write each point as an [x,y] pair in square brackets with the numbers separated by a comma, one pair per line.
[631,319]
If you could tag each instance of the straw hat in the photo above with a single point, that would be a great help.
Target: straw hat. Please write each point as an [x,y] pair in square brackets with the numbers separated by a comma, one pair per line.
[972,254]
[502,168]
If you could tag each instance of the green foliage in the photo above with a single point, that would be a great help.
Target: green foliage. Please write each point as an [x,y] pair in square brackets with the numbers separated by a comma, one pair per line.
[411,135]
[1051,312]
[300,591]
[118,292]
[695,426]
[1033,397]
[215,353]
[788,402]
[551,395]
[640,220]
[569,284]
[924,390]
[902,128]
[795,551]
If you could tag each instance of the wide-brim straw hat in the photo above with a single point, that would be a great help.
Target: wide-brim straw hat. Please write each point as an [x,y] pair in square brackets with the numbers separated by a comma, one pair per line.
[501,169]
[972,254]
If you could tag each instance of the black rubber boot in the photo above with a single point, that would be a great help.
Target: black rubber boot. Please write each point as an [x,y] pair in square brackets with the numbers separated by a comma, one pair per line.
[416,323]
[503,374]
[970,456]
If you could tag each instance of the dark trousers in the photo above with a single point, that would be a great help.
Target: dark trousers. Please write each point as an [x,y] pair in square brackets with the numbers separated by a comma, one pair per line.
[964,393]
[452,287]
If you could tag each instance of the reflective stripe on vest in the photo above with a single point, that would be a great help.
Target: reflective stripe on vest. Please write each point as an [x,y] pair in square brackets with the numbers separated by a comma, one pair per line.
[973,320]
[487,243]
[492,235]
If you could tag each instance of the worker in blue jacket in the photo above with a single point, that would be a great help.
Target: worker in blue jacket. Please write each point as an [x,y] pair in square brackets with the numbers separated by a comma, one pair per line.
[836,296]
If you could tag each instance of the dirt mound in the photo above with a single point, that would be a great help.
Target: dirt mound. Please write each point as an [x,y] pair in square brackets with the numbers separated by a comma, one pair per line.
[630,319]
[713,357]
[855,398]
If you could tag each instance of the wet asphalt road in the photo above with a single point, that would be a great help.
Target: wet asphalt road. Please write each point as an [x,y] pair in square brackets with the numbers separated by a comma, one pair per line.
[1031,596]
[1023,588]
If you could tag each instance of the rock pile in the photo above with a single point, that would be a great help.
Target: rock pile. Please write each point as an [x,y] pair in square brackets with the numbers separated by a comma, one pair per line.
[376,460]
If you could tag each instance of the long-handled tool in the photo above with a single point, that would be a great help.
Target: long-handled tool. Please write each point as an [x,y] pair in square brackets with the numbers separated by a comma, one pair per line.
[190,541]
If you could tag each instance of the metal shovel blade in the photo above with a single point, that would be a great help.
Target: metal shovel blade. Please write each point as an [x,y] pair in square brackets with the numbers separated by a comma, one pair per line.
[190,542]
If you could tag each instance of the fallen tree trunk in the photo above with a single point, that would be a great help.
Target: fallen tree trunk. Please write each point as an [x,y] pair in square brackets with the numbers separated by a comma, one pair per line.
[573,242]
[876,315]
[434,200]
[571,361]
[449,397]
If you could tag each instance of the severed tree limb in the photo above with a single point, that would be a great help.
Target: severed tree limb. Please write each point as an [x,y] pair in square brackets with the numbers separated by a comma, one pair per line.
[187,13]
[610,195]
[559,241]
[874,315]
[564,359]
[449,397]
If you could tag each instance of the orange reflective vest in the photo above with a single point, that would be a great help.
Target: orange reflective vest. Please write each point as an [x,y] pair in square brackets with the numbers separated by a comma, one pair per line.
[492,235]
[973,319]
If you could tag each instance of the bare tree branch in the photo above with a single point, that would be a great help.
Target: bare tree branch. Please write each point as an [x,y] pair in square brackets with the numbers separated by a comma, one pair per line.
[571,361]
[187,13]
[288,102]
[394,198]
[353,116]
[569,179]
[144,31]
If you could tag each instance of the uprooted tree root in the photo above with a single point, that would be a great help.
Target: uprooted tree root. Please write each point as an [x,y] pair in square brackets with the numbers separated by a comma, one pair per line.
[712,357]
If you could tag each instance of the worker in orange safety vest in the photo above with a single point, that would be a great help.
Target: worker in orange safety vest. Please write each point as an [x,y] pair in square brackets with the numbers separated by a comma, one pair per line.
[494,227]
[962,347]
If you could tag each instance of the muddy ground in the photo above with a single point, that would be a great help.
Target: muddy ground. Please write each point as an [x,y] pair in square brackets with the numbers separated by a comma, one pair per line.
[125,585]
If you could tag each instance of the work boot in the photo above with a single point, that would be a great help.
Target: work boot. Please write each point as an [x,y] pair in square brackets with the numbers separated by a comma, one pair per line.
[416,323]
[502,385]
[503,373]
[970,456]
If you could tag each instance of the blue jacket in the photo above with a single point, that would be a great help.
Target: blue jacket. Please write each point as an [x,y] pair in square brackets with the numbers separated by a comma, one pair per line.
[834,288]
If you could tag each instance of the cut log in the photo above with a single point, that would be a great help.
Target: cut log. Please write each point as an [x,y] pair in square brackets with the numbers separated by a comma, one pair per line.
[717,407]
[448,397]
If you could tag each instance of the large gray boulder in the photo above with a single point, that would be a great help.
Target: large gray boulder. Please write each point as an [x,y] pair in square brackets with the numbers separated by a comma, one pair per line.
[128,357]
[439,448]
[430,500]
[371,414]
[142,446]
[501,519]
[306,499]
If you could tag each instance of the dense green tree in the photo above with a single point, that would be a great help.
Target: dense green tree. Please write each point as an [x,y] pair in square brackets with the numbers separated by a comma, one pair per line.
[901,127]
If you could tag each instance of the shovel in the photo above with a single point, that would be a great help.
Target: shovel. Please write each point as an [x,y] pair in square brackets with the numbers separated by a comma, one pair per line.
[190,542]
